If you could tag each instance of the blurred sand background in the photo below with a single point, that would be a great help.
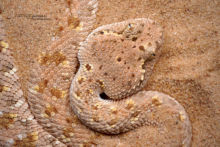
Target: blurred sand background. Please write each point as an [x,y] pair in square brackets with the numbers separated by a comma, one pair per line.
[189,66]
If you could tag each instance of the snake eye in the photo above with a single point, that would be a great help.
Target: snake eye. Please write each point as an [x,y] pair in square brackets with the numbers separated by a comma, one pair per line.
[104,96]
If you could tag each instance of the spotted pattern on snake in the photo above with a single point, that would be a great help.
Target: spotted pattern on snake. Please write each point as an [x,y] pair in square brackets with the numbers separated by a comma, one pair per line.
[115,62]
[17,124]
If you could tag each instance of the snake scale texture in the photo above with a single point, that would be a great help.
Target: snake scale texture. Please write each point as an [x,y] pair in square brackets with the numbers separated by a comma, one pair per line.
[85,89]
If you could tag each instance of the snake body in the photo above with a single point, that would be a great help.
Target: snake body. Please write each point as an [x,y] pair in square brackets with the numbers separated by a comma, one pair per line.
[86,83]
[116,61]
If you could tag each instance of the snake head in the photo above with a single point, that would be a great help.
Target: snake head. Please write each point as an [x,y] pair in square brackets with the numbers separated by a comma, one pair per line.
[122,55]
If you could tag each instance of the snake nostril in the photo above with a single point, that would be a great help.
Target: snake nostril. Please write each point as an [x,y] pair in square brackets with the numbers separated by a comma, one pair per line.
[104,96]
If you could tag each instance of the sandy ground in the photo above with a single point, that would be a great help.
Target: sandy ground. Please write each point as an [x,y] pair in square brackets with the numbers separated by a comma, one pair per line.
[189,67]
